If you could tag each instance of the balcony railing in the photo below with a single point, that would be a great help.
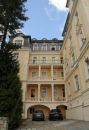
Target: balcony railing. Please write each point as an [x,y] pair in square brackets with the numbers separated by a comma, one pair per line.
[46,78]
[46,99]
[47,62]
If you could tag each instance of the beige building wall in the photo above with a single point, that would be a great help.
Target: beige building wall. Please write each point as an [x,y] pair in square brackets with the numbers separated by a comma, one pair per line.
[76,61]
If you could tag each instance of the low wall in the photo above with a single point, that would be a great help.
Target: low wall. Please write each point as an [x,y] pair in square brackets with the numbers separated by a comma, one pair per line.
[78,108]
[3,123]
[75,113]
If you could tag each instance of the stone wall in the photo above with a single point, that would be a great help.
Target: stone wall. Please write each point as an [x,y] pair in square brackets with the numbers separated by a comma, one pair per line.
[3,123]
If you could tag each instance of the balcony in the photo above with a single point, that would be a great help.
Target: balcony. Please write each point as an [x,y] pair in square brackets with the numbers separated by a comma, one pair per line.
[46,99]
[46,78]
[47,62]
[45,93]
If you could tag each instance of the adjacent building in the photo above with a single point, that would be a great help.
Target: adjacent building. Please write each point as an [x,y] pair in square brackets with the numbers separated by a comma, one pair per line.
[41,73]
[76,59]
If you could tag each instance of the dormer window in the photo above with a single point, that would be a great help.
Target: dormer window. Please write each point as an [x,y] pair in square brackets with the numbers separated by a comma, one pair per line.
[35,47]
[53,48]
[18,42]
[44,47]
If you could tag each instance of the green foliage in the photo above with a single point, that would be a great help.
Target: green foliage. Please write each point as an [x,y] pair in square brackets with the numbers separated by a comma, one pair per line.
[10,88]
[12,15]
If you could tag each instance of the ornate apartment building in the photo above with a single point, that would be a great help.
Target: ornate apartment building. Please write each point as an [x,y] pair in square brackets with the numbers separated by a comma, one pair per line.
[55,73]
[41,73]
[76,59]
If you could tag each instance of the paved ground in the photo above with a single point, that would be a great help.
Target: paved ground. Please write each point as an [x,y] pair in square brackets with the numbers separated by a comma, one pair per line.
[54,125]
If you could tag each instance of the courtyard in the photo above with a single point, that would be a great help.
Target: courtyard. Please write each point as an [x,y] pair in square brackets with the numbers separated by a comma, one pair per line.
[54,125]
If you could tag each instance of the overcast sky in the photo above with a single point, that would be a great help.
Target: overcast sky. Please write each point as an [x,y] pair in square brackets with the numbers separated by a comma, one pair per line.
[46,18]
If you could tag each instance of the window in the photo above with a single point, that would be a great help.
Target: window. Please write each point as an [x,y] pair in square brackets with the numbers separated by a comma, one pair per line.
[54,75]
[53,60]
[55,92]
[35,47]
[69,89]
[61,60]
[34,60]
[43,92]
[44,47]
[82,38]
[87,68]
[43,74]
[32,92]
[18,42]
[33,75]
[76,19]
[43,60]
[63,90]
[73,58]
[76,83]
[62,74]
[53,48]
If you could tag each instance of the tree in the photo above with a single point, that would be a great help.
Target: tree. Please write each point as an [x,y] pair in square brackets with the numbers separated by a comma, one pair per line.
[10,88]
[12,15]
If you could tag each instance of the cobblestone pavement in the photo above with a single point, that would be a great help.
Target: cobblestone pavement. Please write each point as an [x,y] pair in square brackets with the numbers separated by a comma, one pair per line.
[54,125]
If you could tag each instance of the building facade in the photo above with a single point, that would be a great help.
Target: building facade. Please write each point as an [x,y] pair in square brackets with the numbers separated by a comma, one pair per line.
[41,73]
[54,73]
[76,59]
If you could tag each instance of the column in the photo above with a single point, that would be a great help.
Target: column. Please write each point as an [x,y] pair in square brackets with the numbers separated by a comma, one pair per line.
[52,92]
[38,92]
[52,72]
[39,72]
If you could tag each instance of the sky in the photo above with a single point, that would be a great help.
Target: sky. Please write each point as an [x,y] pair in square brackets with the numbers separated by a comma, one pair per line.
[46,18]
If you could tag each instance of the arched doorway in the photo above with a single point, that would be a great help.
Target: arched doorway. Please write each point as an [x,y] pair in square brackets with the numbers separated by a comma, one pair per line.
[45,109]
[63,109]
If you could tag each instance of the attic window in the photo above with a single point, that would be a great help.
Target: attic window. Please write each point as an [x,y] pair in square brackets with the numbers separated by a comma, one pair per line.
[18,42]
[53,48]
